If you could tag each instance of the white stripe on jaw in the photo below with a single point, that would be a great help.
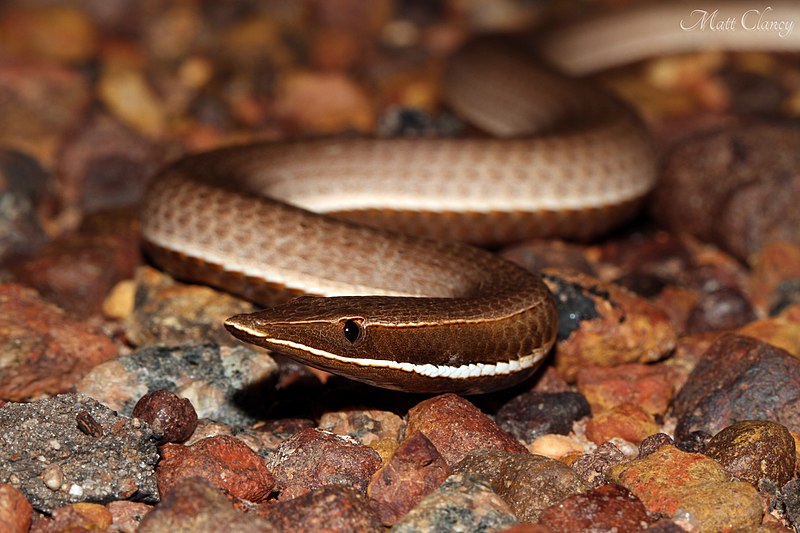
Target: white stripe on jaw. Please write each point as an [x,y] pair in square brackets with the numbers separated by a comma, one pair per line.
[468,371]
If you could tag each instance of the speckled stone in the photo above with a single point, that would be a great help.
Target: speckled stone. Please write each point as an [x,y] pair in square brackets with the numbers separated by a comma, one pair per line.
[193,506]
[690,487]
[368,426]
[592,467]
[527,482]
[127,515]
[533,414]
[15,511]
[224,462]
[311,459]
[606,325]
[606,508]
[739,378]
[328,508]
[462,503]
[222,383]
[455,427]
[413,472]
[755,450]
[45,454]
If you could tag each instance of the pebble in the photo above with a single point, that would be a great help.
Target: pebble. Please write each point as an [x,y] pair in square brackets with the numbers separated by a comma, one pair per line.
[788,502]
[648,386]
[23,182]
[328,508]
[689,487]
[722,309]
[528,483]
[775,279]
[169,313]
[605,325]
[739,378]
[127,515]
[75,517]
[755,451]
[170,415]
[592,467]
[223,461]
[626,421]
[312,458]
[455,426]
[606,508]
[45,351]
[533,414]
[15,511]
[462,503]
[781,331]
[211,377]
[194,506]
[368,426]
[413,472]
[117,464]
[729,187]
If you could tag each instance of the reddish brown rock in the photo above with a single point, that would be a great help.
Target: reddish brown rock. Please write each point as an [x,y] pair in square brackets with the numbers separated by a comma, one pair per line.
[413,472]
[455,427]
[605,325]
[669,482]
[194,505]
[223,461]
[173,417]
[592,467]
[606,508]
[626,421]
[730,187]
[739,378]
[75,517]
[775,277]
[721,309]
[754,450]
[311,459]
[46,351]
[329,508]
[127,515]
[648,386]
[528,483]
[782,330]
[15,511]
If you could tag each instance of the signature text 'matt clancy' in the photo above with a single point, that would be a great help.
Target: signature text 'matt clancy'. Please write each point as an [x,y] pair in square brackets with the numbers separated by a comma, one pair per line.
[750,20]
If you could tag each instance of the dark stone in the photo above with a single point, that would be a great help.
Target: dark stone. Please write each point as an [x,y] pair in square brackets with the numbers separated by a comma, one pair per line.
[606,508]
[720,310]
[330,508]
[652,443]
[532,414]
[739,378]
[175,417]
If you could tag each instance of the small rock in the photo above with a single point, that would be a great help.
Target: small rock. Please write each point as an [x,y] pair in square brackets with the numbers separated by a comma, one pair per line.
[691,487]
[729,187]
[323,103]
[606,508]
[224,384]
[648,386]
[653,443]
[169,313]
[174,417]
[720,310]
[45,351]
[739,378]
[413,472]
[126,515]
[788,501]
[535,255]
[775,277]
[22,184]
[329,508]
[605,325]
[368,427]
[15,511]
[455,427]
[781,330]
[224,462]
[75,517]
[592,467]
[626,421]
[528,483]
[311,459]
[115,465]
[533,414]
[194,506]
[753,451]
[62,33]
[127,94]
[462,503]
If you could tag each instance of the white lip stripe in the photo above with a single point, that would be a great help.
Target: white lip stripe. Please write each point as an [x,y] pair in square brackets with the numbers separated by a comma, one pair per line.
[467,371]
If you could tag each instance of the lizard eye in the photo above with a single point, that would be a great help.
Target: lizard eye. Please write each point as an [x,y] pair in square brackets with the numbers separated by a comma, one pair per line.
[352,330]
